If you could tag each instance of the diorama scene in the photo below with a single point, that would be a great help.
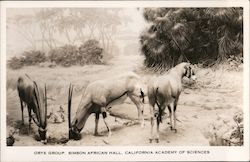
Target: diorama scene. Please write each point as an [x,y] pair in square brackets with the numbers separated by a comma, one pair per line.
[124,77]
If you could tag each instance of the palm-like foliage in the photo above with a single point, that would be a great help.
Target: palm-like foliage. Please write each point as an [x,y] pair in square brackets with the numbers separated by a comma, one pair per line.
[190,34]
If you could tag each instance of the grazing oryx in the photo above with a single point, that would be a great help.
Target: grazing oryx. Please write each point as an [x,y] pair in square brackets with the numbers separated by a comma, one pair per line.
[102,94]
[35,98]
[165,90]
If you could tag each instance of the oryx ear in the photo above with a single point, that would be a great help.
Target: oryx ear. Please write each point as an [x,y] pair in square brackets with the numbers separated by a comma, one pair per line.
[185,70]
[187,65]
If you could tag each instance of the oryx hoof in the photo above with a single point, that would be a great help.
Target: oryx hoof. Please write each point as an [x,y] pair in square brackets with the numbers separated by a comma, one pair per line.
[96,134]
[109,135]
[150,140]
[157,140]
[175,130]
[44,142]
[74,135]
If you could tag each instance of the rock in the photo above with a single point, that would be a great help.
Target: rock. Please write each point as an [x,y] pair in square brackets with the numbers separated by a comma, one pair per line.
[10,141]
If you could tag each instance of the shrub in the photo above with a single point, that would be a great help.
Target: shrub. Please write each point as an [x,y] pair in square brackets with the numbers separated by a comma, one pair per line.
[15,63]
[226,131]
[90,52]
[65,55]
[27,58]
[33,57]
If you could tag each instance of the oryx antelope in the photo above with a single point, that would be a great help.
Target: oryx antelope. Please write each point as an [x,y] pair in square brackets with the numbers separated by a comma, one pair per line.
[165,90]
[35,97]
[102,94]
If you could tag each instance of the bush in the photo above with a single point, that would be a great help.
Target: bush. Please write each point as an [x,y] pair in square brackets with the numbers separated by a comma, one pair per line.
[33,57]
[65,55]
[26,59]
[15,63]
[88,53]
[226,131]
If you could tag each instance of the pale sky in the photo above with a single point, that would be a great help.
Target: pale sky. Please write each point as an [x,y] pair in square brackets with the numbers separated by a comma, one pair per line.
[16,43]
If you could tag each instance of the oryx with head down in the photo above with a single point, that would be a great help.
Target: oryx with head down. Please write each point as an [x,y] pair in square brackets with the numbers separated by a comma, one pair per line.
[35,97]
[102,94]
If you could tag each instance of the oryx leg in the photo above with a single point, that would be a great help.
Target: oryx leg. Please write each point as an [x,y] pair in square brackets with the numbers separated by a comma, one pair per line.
[160,111]
[153,122]
[21,102]
[30,117]
[140,107]
[175,107]
[104,115]
[158,120]
[97,115]
[152,102]
[170,116]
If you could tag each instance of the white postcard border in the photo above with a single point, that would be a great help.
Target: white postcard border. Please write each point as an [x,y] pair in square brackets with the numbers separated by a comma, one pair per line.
[31,153]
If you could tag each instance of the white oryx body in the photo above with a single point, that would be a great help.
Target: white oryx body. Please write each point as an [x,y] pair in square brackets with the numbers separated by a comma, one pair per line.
[34,96]
[104,93]
[165,90]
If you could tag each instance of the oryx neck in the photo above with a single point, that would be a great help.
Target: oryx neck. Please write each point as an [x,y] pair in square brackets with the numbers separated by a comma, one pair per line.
[177,73]
[81,117]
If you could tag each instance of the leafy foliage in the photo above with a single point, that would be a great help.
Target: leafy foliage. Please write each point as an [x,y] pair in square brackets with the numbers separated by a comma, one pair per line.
[88,53]
[15,63]
[65,55]
[33,57]
[28,58]
[226,132]
[191,34]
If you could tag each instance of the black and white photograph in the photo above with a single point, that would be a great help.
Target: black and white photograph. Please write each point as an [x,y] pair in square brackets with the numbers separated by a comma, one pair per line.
[150,76]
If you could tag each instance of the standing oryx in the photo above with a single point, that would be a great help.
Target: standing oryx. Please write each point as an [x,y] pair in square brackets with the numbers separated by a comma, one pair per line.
[165,90]
[35,98]
[102,94]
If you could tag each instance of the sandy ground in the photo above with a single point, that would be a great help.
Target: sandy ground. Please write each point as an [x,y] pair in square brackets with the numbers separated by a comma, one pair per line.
[216,94]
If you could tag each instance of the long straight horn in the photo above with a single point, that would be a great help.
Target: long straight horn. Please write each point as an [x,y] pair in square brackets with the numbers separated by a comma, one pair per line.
[45,98]
[69,105]
[37,102]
